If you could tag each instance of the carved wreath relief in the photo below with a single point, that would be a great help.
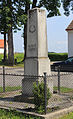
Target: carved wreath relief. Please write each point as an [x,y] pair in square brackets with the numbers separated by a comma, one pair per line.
[32,28]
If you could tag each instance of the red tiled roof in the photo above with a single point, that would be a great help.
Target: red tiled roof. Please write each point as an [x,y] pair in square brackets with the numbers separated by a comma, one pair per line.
[1,43]
[70,27]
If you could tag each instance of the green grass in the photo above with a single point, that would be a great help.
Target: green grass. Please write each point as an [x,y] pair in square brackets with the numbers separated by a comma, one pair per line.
[8,88]
[5,114]
[18,56]
[68,116]
[64,89]
[1,57]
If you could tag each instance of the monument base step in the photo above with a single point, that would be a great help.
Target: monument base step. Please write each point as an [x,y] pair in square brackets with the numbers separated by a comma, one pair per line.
[25,99]
[37,66]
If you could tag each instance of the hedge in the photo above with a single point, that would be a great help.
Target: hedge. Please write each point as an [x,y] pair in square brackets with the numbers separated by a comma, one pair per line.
[58,56]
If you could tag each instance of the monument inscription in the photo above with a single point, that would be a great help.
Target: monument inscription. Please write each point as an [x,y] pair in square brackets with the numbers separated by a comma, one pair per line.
[32,47]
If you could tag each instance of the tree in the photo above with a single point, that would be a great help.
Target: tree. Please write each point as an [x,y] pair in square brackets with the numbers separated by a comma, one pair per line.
[68,6]
[52,6]
[16,11]
[10,20]
[23,7]
[3,25]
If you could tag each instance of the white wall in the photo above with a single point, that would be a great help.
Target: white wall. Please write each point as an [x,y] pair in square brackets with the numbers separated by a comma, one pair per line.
[70,43]
[1,50]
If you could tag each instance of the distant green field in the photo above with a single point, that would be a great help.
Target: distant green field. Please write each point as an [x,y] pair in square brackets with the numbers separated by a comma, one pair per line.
[1,57]
[20,57]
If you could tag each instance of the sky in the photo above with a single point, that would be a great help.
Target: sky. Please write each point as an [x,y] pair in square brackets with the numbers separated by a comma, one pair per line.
[57,36]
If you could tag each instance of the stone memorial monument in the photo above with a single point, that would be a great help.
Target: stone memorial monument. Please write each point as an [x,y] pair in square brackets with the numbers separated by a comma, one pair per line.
[37,61]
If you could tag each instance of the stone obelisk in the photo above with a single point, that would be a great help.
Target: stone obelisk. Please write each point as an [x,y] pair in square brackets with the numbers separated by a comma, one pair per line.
[37,61]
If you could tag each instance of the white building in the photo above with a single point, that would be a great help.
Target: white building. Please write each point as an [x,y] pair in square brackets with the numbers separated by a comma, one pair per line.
[70,39]
[2,46]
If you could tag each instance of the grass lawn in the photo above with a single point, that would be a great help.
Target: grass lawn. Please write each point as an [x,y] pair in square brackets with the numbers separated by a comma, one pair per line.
[8,88]
[68,116]
[4,114]
[64,89]
[18,56]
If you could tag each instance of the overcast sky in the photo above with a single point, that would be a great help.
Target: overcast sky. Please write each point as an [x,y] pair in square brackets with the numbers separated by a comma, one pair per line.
[56,34]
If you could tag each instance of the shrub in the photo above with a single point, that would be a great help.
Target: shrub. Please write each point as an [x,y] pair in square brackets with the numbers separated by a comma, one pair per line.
[58,56]
[39,98]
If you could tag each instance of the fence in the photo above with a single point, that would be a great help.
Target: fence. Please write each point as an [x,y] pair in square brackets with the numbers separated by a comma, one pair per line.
[62,85]
[10,81]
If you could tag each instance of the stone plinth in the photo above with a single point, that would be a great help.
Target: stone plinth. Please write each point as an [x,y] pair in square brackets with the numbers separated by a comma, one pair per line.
[37,61]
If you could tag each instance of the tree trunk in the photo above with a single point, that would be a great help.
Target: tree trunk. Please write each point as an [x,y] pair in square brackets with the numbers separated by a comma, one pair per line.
[10,47]
[34,3]
[5,56]
[25,39]
[25,30]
